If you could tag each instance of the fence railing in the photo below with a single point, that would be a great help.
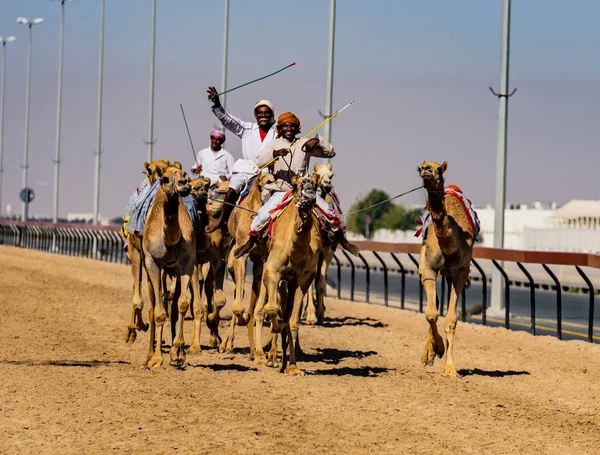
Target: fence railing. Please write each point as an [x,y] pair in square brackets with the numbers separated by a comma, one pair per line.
[539,292]
[390,277]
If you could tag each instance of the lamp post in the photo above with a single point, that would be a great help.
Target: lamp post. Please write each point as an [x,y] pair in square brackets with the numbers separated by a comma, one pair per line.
[99,143]
[225,50]
[151,119]
[59,111]
[4,41]
[29,24]
[329,90]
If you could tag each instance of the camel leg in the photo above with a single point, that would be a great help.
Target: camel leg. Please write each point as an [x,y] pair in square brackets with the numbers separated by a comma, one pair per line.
[271,280]
[239,274]
[434,344]
[183,303]
[310,312]
[151,320]
[296,292]
[137,322]
[199,312]
[458,282]
[159,314]
[169,284]
[259,317]
[249,315]
[321,283]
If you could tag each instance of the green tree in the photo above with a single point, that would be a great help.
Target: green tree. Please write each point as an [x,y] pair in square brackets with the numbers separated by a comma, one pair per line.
[356,221]
[398,218]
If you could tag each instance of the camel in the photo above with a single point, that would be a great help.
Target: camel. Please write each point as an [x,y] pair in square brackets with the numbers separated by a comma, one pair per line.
[316,314]
[134,253]
[212,249]
[239,226]
[292,254]
[169,244]
[447,249]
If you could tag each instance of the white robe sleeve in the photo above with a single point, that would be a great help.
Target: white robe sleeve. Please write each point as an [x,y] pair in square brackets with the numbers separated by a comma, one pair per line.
[233,124]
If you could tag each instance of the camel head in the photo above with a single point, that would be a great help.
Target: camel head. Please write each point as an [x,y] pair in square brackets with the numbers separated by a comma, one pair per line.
[305,192]
[431,174]
[156,168]
[199,189]
[263,180]
[324,175]
[174,181]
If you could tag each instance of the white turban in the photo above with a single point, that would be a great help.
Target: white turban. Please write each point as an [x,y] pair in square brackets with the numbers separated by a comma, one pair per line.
[265,103]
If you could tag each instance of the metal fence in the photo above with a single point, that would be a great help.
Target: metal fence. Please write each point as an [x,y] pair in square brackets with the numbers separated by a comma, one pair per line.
[386,262]
[104,243]
[96,242]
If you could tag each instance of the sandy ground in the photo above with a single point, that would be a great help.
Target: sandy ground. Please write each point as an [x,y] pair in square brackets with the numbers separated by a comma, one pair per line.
[69,385]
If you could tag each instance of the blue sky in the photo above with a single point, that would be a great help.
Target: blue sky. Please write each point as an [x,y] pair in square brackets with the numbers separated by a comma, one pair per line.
[417,71]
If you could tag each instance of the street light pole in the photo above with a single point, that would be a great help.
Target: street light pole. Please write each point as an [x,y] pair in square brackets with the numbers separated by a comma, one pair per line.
[329,89]
[225,51]
[2,93]
[30,24]
[59,112]
[151,120]
[99,143]
[500,202]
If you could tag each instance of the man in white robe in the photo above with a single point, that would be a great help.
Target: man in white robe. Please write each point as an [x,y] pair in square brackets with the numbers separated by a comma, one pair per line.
[214,162]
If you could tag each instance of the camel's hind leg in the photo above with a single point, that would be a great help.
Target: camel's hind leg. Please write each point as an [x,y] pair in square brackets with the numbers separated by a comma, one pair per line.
[293,308]
[239,275]
[458,282]
[137,322]
[200,310]
[434,344]
[259,318]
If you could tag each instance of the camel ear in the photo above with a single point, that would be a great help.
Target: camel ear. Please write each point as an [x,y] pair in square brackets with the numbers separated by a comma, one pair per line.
[329,166]
[159,171]
[147,167]
[295,181]
[443,167]
[207,186]
[177,164]
[315,179]
[166,161]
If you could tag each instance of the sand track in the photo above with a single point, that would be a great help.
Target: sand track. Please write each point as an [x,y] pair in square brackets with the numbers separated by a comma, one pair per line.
[70,385]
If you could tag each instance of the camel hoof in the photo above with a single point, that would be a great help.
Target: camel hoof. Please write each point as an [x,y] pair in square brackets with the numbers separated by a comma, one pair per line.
[194,348]
[311,319]
[260,359]
[177,354]
[215,340]
[155,361]
[450,372]
[428,354]
[293,370]
[273,363]
[130,335]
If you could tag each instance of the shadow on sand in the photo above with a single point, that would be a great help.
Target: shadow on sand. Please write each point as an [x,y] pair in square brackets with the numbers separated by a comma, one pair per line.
[491,373]
[333,356]
[221,367]
[364,372]
[350,321]
[64,363]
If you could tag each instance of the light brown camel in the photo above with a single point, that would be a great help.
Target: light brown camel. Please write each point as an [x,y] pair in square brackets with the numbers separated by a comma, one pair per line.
[239,226]
[447,250]
[212,249]
[169,243]
[134,253]
[293,251]
[316,314]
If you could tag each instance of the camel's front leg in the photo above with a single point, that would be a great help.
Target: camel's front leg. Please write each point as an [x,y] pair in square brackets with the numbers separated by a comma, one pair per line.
[186,268]
[239,274]
[434,344]
[257,271]
[271,280]
[321,284]
[158,314]
[137,322]
[310,312]
[293,309]
[259,317]
[458,282]
[200,310]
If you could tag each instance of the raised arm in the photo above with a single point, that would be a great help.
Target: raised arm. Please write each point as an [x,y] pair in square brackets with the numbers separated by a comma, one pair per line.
[233,124]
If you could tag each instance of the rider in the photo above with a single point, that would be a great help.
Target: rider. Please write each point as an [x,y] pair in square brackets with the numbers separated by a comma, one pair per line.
[253,136]
[293,159]
[214,162]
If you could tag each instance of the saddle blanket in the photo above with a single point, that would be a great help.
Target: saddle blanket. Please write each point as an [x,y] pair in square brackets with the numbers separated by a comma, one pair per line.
[135,225]
[456,192]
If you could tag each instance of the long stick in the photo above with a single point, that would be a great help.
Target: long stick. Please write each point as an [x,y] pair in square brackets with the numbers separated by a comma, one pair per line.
[255,80]
[189,135]
[310,132]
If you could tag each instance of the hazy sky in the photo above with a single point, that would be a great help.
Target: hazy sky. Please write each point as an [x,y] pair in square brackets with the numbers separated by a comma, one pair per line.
[418,72]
